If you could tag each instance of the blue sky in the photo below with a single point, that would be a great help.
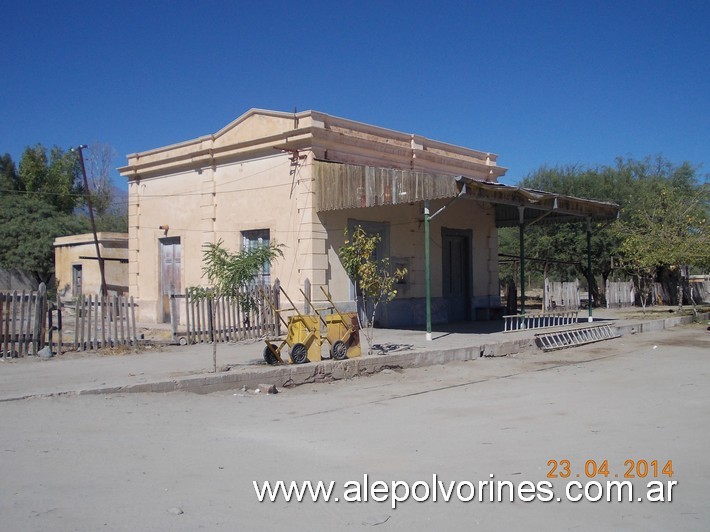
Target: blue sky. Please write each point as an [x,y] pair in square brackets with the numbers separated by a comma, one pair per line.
[535,82]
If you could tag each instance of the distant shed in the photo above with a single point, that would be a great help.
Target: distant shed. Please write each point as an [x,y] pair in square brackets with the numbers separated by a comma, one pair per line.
[77,266]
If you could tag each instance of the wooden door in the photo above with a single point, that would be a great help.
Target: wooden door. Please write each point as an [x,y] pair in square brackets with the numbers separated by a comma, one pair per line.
[456,273]
[76,280]
[170,274]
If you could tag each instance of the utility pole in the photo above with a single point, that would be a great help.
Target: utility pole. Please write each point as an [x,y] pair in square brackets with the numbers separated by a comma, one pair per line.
[87,194]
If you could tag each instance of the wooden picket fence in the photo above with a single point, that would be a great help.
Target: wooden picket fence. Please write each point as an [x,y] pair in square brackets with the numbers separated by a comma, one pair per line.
[223,318]
[101,322]
[29,322]
[22,322]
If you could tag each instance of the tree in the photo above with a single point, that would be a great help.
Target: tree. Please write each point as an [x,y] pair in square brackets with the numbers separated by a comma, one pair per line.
[229,273]
[669,228]
[28,227]
[374,279]
[8,174]
[39,203]
[652,194]
[109,214]
[56,176]
[99,162]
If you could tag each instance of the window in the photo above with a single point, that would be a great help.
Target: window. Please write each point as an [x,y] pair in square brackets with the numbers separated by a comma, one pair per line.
[254,239]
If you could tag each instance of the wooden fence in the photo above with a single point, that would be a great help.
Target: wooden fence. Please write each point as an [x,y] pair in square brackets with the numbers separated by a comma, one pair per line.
[700,291]
[29,322]
[624,294]
[22,322]
[224,318]
[620,294]
[561,296]
[98,322]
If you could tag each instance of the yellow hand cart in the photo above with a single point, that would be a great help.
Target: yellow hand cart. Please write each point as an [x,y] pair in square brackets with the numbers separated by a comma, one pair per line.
[302,336]
[342,329]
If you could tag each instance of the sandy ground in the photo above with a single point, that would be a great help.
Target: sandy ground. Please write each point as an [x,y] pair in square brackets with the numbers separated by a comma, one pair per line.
[127,462]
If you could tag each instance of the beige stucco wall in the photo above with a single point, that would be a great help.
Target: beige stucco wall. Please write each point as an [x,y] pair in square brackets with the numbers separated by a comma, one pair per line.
[213,204]
[256,173]
[68,251]
[406,242]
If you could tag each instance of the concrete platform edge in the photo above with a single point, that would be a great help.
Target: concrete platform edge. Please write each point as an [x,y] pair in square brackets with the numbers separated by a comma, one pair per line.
[295,375]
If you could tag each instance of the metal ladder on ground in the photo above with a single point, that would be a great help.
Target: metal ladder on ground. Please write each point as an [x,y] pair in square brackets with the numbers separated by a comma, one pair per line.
[551,341]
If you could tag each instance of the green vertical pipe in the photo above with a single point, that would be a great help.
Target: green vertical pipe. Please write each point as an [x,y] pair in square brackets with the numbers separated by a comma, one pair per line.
[589,268]
[427,270]
[521,211]
[522,269]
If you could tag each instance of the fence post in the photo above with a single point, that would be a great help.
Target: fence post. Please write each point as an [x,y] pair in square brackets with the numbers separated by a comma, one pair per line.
[3,334]
[133,322]
[13,315]
[43,322]
[173,312]
[210,322]
[59,324]
[77,302]
[50,328]
[39,318]
[187,316]
[24,333]
[90,325]
[277,305]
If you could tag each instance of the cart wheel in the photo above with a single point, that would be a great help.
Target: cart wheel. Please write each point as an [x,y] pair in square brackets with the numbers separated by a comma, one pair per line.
[299,354]
[269,355]
[339,351]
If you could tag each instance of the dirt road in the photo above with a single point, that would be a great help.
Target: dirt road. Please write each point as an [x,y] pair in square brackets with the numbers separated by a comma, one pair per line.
[180,461]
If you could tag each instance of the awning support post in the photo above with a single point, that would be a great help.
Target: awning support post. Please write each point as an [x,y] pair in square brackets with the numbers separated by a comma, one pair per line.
[521,225]
[427,272]
[589,268]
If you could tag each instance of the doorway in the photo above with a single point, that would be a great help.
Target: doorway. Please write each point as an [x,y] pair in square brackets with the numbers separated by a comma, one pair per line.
[170,275]
[76,280]
[456,272]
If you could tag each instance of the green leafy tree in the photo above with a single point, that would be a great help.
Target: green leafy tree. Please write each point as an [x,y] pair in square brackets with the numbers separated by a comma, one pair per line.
[229,273]
[669,228]
[56,176]
[9,179]
[654,196]
[374,279]
[28,227]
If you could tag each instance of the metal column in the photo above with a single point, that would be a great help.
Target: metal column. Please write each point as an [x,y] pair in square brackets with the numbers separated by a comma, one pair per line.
[521,225]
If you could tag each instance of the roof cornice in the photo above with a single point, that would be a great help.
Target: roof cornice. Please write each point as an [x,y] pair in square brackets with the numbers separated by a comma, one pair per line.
[323,133]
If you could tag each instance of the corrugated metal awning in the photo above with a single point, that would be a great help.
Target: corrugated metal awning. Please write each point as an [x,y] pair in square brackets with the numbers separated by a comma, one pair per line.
[537,205]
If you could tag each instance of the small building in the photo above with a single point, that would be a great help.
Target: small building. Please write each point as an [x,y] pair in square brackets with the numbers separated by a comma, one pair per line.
[77,267]
[302,179]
